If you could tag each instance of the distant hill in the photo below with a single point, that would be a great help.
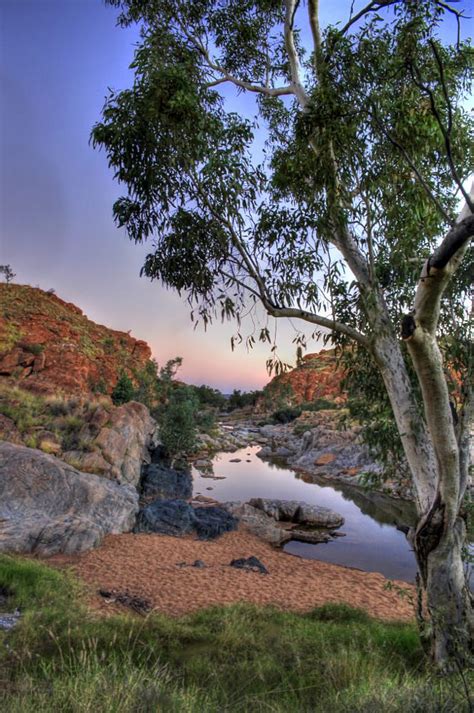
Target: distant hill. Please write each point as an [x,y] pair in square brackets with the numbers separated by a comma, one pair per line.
[316,377]
[49,345]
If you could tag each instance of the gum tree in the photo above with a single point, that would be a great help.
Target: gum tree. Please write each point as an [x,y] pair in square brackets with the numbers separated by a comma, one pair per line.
[330,197]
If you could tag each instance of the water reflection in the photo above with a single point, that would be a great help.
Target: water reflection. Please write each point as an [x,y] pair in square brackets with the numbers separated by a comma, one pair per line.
[372,542]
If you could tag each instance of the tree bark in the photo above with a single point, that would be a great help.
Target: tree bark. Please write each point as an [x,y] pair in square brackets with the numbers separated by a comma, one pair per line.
[446,615]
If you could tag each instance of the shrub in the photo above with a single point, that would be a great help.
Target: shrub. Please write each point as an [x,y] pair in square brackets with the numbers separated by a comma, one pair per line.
[286,415]
[123,390]
[35,349]
[178,425]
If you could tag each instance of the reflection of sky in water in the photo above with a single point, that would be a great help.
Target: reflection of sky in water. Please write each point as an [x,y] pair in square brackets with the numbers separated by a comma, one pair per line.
[368,544]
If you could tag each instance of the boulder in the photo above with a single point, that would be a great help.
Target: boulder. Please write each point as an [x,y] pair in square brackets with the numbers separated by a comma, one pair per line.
[160,482]
[168,517]
[258,523]
[298,512]
[177,518]
[118,449]
[210,522]
[49,507]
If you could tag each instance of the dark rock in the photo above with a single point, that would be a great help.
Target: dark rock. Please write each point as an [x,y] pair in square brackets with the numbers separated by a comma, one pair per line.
[169,517]
[252,564]
[176,517]
[213,521]
[199,564]
[164,483]
[137,604]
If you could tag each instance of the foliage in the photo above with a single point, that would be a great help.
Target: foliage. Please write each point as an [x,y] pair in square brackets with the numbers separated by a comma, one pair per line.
[178,423]
[237,399]
[238,658]
[210,397]
[8,273]
[319,404]
[123,390]
[286,415]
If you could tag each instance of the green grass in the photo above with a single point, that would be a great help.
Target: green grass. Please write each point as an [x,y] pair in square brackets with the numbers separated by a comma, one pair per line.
[238,658]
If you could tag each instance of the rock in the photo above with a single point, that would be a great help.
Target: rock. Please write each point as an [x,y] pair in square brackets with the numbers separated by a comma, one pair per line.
[235,460]
[199,564]
[49,507]
[210,522]
[8,621]
[160,482]
[48,445]
[312,536]
[325,458]
[317,516]
[8,430]
[121,447]
[276,509]
[298,512]
[259,523]
[169,517]
[176,517]
[137,604]
[252,564]
[203,463]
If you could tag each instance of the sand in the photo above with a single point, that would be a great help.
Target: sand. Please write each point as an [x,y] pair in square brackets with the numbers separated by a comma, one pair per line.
[150,567]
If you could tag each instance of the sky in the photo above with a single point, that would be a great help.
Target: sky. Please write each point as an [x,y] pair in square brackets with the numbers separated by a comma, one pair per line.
[57,59]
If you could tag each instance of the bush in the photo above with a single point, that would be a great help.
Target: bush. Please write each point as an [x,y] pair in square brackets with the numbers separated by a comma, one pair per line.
[35,349]
[123,390]
[178,424]
[286,415]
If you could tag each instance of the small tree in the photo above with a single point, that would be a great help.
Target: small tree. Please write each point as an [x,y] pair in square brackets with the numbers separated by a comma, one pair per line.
[7,271]
[178,423]
[123,390]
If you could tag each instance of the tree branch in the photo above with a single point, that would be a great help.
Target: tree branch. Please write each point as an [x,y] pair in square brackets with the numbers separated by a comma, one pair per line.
[299,90]
[321,321]
[226,76]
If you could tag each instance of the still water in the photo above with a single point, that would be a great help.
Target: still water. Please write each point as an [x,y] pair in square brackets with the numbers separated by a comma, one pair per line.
[372,541]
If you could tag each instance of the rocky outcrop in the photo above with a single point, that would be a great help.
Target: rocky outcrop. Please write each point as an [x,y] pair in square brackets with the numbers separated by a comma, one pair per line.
[48,507]
[279,521]
[316,377]
[260,524]
[324,450]
[118,443]
[178,518]
[48,345]
[298,512]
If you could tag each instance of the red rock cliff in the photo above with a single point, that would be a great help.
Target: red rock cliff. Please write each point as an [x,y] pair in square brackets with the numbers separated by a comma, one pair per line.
[317,377]
[49,345]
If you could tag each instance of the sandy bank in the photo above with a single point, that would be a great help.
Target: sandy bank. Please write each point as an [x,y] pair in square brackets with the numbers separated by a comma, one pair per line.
[150,567]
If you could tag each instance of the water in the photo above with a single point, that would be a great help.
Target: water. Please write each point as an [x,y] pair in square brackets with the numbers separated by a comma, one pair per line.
[372,542]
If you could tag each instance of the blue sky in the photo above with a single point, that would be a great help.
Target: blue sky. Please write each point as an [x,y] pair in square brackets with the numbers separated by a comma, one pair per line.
[56,193]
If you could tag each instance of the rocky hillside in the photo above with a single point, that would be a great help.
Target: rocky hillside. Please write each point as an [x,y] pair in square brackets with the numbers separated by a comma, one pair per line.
[48,345]
[317,377]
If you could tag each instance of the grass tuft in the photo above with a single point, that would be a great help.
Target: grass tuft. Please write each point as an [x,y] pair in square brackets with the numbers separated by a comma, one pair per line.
[238,658]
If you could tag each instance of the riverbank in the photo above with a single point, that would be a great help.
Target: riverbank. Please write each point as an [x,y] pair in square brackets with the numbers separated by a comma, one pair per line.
[161,571]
